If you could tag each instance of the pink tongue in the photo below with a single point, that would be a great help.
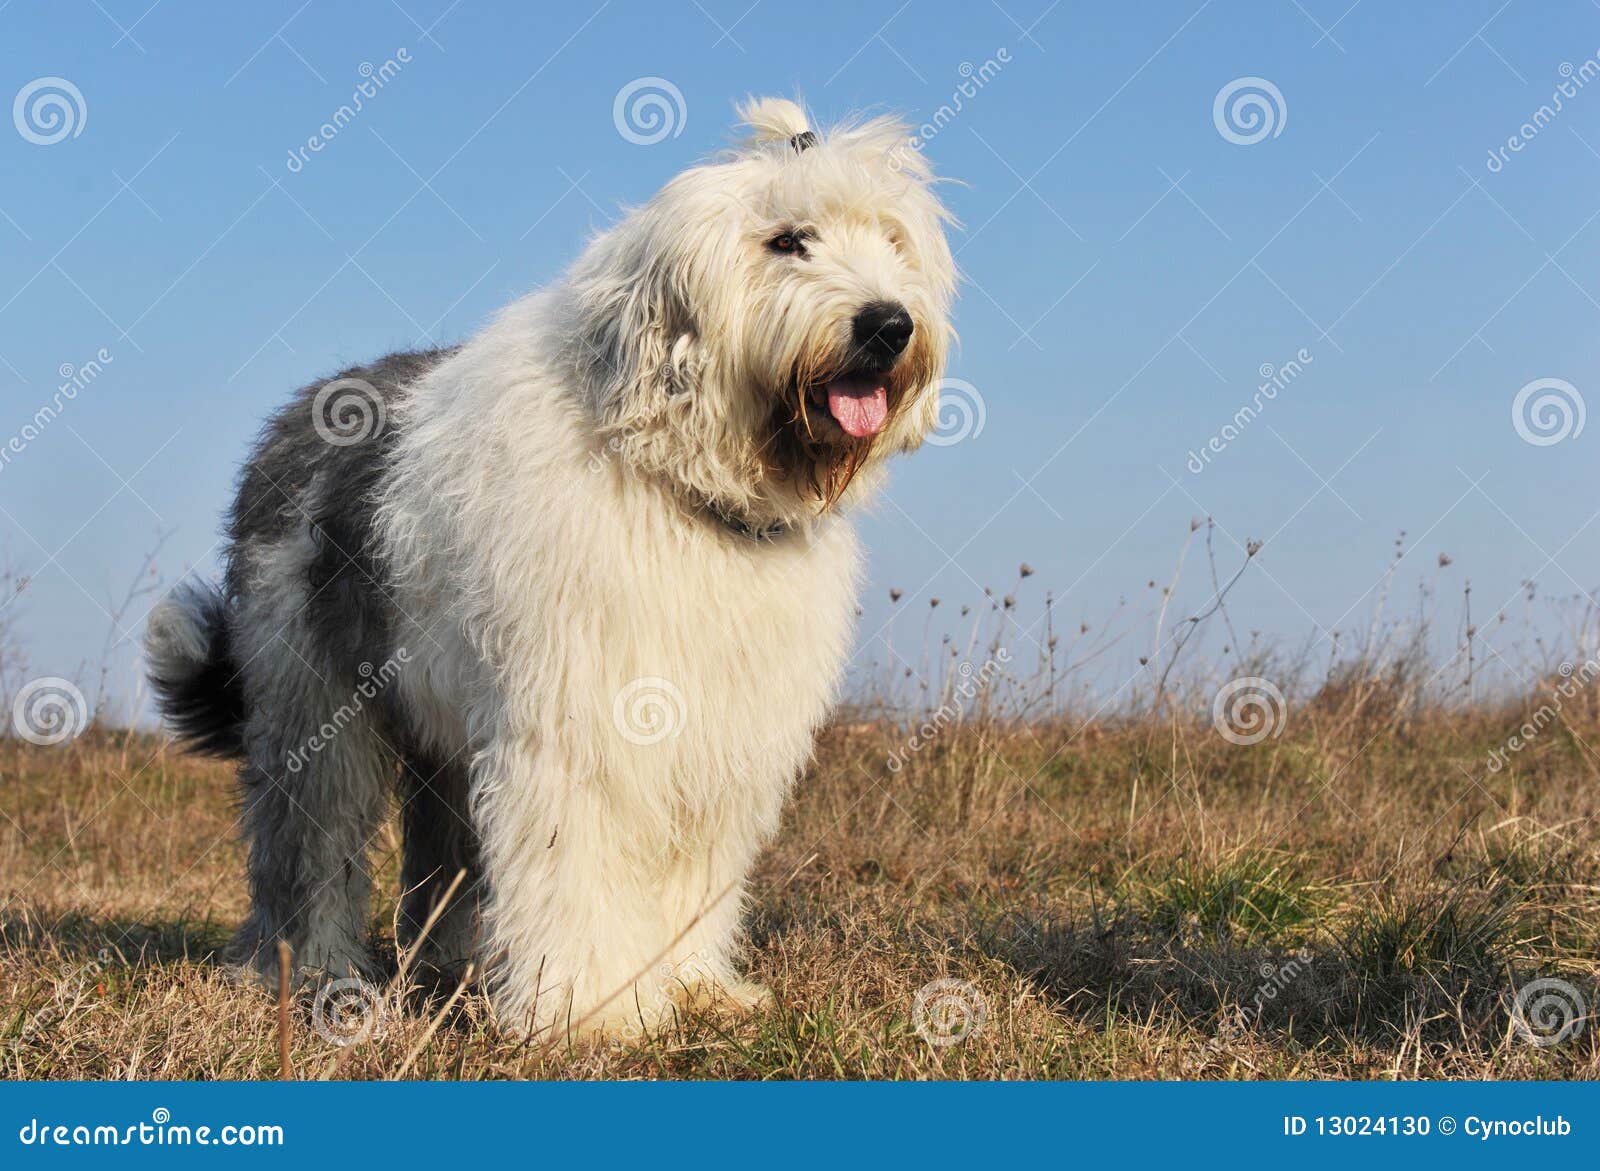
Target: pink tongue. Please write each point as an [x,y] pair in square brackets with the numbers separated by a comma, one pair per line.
[858,405]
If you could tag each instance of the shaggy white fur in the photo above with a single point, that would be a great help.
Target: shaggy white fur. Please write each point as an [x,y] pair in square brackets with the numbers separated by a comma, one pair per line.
[616,526]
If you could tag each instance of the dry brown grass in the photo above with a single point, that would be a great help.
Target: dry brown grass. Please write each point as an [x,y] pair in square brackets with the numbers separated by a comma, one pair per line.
[1125,891]
[1118,892]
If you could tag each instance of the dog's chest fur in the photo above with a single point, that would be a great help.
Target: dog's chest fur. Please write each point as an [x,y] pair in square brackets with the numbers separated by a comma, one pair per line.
[681,668]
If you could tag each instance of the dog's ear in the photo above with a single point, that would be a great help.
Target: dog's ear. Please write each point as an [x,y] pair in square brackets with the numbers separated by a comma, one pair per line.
[635,332]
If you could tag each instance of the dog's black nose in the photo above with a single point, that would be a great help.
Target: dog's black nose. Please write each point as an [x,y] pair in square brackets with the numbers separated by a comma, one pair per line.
[882,330]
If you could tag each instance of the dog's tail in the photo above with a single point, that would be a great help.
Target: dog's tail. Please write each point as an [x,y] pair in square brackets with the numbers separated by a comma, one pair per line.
[191,668]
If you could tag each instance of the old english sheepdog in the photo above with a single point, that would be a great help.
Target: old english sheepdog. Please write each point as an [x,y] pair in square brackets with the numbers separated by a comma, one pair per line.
[581,589]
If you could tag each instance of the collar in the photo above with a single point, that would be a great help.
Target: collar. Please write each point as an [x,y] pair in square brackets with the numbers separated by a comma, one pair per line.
[742,527]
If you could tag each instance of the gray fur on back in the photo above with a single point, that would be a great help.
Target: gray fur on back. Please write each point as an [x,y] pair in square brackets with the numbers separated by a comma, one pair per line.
[286,668]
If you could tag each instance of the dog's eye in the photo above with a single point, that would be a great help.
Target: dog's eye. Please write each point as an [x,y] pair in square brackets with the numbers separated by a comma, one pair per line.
[789,242]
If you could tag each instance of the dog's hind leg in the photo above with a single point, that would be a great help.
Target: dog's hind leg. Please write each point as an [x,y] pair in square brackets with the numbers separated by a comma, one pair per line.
[315,782]
[440,844]
[307,825]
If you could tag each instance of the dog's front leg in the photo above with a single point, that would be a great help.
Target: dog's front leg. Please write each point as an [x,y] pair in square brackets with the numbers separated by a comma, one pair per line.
[572,925]
[703,897]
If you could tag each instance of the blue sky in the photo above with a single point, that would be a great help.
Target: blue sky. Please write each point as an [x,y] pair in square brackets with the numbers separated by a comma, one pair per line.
[1130,270]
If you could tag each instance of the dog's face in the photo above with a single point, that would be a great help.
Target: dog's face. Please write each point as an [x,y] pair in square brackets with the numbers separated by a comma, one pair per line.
[773,325]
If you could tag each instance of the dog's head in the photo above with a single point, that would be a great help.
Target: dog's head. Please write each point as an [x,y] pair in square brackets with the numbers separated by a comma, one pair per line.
[774,323]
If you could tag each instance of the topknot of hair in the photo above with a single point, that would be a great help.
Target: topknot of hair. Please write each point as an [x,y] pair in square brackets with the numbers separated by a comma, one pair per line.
[774,120]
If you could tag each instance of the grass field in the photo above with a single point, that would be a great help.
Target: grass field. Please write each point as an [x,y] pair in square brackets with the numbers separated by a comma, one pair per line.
[1359,896]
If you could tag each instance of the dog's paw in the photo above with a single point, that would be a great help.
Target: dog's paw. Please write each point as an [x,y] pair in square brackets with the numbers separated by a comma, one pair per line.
[257,965]
[614,1027]
[248,974]
[738,997]
[749,996]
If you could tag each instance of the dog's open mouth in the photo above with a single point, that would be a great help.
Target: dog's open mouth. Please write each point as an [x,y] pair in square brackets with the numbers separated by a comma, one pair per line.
[858,402]
[824,428]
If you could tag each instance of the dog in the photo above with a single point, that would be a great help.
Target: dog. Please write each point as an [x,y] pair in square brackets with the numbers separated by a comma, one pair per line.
[581,589]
